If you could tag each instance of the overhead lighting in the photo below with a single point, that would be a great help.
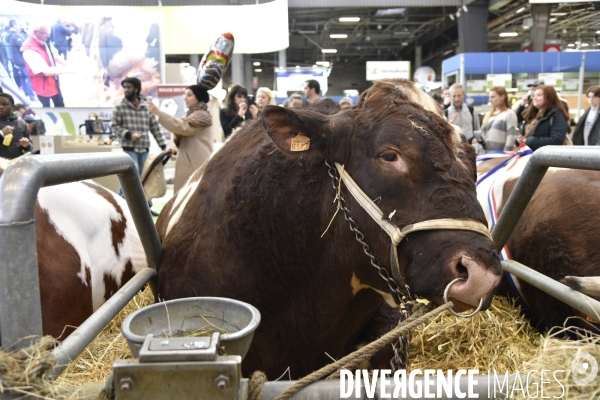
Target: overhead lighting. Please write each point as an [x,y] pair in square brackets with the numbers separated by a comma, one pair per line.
[404,43]
[451,17]
[257,70]
[297,67]
[571,45]
[307,32]
[329,51]
[338,36]
[447,52]
[509,34]
[315,66]
[553,20]
[349,19]
[558,14]
[585,44]
[256,63]
[465,9]
[323,63]
[597,32]
[390,11]
[520,10]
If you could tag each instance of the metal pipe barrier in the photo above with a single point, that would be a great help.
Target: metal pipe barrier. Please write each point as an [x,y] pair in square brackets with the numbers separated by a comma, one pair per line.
[78,340]
[20,307]
[482,388]
[577,157]
[573,298]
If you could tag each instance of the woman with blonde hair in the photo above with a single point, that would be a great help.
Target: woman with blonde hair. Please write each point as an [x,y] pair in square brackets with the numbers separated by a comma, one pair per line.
[264,97]
[499,126]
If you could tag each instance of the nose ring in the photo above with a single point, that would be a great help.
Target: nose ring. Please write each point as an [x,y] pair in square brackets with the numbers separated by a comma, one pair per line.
[454,312]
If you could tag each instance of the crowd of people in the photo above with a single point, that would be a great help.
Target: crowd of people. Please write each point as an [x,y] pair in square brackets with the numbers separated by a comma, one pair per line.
[540,118]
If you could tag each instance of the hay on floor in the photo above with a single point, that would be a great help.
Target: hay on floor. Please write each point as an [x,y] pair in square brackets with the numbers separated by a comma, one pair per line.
[499,338]
[94,365]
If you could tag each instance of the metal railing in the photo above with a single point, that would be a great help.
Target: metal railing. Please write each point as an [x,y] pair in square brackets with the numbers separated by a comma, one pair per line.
[577,157]
[20,307]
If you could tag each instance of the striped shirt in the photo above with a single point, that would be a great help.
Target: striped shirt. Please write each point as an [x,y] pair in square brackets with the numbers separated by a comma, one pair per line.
[126,119]
[499,132]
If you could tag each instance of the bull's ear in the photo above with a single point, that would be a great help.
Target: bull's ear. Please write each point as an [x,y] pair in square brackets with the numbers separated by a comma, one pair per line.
[295,131]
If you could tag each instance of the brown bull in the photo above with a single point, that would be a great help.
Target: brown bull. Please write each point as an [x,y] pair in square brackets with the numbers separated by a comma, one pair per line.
[554,236]
[249,225]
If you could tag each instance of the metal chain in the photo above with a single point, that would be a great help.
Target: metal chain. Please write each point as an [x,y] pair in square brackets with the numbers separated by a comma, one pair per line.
[401,359]
[383,273]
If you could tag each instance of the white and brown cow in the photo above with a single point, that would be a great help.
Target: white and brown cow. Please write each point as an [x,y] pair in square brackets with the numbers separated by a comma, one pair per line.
[87,247]
[250,225]
[557,234]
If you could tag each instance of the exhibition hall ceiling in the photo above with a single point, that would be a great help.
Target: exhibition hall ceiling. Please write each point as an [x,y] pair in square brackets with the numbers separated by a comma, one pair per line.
[390,30]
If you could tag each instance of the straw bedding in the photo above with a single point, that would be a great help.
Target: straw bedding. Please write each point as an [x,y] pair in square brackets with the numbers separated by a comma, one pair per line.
[498,339]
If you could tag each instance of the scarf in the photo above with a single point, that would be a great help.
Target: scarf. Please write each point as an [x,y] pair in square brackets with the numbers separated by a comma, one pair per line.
[197,116]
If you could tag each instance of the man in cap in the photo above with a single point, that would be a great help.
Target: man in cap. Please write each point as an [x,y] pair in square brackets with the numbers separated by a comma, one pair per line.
[522,105]
[131,122]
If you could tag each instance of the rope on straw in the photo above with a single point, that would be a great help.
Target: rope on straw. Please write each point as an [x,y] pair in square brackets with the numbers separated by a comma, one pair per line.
[361,353]
[24,369]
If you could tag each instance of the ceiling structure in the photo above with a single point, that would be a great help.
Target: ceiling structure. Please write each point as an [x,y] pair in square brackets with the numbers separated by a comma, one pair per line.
[385,33]
[393,29]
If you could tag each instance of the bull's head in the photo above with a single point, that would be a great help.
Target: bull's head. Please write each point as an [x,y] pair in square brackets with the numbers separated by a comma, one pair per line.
[409,161]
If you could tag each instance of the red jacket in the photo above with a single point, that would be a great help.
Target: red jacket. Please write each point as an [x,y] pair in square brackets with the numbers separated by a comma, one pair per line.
[42,85]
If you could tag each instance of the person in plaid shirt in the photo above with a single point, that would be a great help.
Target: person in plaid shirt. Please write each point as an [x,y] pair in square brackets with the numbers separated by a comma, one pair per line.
[131,122]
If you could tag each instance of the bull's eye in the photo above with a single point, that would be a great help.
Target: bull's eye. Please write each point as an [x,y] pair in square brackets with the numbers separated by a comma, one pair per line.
[390,157]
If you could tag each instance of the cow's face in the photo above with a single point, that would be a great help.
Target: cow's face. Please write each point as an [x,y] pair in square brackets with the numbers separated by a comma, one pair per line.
[418,168]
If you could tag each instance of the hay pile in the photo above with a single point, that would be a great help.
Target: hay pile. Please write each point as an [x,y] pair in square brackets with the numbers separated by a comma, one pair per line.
[499,338]
[559,354]
[94,365]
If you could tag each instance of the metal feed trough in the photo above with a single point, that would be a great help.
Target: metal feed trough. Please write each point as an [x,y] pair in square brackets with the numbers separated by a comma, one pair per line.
[20,314]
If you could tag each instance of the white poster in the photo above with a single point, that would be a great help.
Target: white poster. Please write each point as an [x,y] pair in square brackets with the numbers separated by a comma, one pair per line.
[388,69]
[46,145]
[504,80]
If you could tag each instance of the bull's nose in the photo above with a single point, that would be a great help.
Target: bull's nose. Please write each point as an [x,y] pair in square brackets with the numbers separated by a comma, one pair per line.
[479,281]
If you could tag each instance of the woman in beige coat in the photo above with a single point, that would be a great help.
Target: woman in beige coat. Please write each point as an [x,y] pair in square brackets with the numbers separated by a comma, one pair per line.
[193,133]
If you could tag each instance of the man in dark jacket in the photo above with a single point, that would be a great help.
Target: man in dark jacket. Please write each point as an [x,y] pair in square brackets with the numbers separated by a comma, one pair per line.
[14,133]
[587,131]
[60,37]
[15,40]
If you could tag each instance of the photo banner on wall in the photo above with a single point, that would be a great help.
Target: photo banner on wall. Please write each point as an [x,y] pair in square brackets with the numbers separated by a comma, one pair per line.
[77,57]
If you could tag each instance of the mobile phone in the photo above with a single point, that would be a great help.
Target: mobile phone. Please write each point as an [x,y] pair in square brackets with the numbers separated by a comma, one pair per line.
[250,100]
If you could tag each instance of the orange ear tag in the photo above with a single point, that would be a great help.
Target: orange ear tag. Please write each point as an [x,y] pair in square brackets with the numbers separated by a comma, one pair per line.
[300,143]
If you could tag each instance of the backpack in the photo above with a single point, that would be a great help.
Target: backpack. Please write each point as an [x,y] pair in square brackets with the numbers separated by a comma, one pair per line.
[471,110]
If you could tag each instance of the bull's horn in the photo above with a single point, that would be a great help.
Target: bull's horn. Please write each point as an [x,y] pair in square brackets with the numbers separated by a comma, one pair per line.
[589,285]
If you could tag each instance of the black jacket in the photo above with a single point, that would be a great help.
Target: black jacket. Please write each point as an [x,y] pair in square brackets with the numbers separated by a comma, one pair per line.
[14,149]
[550,130]
[15,41]
[594,138]
[229,123]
